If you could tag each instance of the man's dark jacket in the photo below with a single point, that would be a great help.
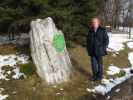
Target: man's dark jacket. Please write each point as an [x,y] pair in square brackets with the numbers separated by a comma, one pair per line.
[97,42]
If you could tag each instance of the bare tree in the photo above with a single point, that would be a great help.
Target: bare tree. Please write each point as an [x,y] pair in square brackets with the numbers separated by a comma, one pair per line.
[118,12]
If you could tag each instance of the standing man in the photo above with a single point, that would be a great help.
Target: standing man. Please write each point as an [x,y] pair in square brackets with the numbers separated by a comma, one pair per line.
[97,43]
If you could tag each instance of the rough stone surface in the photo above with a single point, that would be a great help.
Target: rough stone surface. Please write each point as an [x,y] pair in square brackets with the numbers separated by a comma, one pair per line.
[52,66]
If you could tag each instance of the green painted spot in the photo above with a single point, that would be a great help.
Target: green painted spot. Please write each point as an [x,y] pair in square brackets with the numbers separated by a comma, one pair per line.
[59,42]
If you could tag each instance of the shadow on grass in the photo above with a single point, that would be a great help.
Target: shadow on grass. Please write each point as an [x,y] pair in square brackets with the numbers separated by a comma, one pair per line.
[79,68]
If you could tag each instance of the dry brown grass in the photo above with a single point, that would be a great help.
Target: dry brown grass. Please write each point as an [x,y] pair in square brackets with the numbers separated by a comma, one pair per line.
[8,49]
[32,88]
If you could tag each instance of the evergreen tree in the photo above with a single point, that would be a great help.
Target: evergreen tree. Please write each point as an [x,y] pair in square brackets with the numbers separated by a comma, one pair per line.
[72,16]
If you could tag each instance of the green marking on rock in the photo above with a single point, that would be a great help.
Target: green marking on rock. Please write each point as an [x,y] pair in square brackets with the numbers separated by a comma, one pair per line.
[59,42]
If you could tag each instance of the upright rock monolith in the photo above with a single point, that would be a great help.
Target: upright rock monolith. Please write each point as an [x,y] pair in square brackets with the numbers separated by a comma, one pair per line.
[48,51]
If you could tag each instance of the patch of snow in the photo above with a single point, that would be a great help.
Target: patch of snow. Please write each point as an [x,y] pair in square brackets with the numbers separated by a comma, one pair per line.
[61,89]
[11,61]
[2,97]
[17,74]
[116,42]
[9,72]
[22,58]
[117,90]
[130,58]
[112,70]
[108,97]
[90,90]
[58,93]
[106,87]
[105,81]
[130,45]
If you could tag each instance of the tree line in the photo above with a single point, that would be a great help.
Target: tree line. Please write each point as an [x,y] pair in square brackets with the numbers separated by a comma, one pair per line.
[71,16]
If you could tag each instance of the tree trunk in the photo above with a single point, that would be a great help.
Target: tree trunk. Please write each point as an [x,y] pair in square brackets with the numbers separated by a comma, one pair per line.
[49,52]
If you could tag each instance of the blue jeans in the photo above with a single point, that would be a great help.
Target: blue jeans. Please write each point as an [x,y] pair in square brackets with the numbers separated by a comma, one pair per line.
[97,66]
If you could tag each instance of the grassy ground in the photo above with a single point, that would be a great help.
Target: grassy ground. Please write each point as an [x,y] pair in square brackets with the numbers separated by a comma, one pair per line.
[32,88]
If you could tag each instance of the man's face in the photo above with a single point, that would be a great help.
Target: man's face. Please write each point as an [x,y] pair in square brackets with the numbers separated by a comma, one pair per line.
[95,23]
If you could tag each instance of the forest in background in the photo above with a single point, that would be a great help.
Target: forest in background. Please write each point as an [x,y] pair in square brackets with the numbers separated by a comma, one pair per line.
[71,16]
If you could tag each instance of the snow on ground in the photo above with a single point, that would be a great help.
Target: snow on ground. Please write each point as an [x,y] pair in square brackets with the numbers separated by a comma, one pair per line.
[115,45]
[112,70]
[116,42]
[130,58]
[11,61]
[126,29]
[2,97]
[108,84]
[117,90]
[130,45]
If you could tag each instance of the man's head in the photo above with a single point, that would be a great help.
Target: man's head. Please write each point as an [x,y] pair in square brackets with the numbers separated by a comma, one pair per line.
[95,23]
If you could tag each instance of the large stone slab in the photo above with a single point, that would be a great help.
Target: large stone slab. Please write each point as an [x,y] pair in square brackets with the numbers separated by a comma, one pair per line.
[49,51]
